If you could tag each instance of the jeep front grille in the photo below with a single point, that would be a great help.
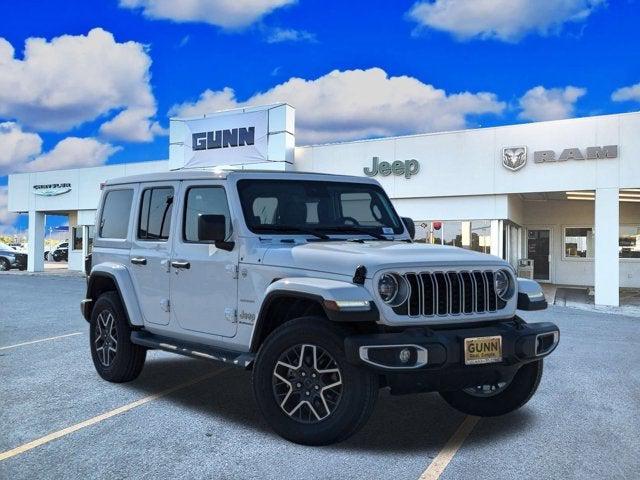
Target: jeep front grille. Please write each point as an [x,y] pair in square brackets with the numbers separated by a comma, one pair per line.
[450,293]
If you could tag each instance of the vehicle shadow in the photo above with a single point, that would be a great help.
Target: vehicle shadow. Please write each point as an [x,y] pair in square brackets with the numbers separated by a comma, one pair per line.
[399,424]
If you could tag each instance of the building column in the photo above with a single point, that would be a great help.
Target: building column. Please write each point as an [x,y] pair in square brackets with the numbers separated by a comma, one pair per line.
[496,238]
[85,245]
[607,263]
[466,235]
[35,248]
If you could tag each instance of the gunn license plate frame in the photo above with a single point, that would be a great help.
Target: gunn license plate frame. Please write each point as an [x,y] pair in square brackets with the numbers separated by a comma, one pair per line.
[481,350]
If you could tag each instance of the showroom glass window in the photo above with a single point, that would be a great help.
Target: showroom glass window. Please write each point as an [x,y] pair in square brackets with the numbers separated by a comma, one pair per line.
[629,242]
[114,222]
[472,235]
[579,242]
[204,201]
[76,238]
[155,214]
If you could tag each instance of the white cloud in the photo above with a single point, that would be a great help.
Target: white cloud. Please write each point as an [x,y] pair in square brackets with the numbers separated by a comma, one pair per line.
[229,14]
[507,20]
[278,35]
[16,147]
[62,83]
[627,94]
[352,104]
[22,151]
[6,218]
[540,104]
[73,152]
[133,125]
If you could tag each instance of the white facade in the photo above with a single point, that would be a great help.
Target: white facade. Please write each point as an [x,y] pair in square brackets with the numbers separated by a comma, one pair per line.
[458,178]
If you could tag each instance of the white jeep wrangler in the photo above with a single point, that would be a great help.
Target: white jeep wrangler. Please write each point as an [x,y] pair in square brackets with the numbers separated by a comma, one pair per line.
[314,283]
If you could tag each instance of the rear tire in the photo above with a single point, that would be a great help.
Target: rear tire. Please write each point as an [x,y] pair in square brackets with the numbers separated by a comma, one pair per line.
[116,359]
[324,399]
[5,266]
[509,398]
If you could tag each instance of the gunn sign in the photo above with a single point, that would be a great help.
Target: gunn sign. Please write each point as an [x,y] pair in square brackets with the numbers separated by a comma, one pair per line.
[408,168]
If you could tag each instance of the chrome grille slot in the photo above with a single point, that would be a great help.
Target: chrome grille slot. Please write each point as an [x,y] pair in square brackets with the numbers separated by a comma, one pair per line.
[428,294]
[481,291]
[450,293]
[468,292]
[414,294]
[456,290]
[442,293]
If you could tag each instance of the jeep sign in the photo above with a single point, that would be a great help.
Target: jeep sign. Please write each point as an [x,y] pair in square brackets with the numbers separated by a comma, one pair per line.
[408,168]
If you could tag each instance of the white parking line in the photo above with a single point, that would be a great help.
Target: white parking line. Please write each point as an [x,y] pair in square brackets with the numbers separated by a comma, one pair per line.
[41,340]
[437,466]
[104,416]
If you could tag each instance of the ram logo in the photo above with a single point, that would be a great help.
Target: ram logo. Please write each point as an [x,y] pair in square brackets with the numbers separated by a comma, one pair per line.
[514,158]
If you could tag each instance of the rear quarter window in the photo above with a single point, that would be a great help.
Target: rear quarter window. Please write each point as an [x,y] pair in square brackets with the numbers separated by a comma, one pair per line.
[114,221]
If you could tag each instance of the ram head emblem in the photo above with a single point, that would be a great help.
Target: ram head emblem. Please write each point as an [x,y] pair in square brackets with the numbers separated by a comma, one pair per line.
[514,158]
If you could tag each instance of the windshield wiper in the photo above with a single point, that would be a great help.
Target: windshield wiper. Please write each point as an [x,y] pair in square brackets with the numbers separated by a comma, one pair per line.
[289,229]
[354,229]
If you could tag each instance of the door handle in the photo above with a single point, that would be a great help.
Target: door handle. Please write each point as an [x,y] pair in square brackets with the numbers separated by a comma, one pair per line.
[179,264]
[139,261]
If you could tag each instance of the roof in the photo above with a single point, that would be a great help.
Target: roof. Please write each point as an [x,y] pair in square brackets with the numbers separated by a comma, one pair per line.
[192,174]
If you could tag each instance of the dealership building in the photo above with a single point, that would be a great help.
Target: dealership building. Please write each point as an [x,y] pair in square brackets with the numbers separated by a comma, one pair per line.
[560,200]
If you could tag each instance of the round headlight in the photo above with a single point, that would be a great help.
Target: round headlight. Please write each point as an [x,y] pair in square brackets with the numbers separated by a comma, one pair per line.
[503,285]
[393,289]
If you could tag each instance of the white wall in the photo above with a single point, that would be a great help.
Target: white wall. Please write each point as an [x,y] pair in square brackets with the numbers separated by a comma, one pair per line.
[85,186]
[469,162]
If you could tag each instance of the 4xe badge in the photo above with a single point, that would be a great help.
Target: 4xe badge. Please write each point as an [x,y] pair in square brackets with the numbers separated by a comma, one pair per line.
[514,158]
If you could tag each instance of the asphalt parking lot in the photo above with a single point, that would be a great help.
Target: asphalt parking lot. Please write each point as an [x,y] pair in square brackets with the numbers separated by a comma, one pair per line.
[584,422]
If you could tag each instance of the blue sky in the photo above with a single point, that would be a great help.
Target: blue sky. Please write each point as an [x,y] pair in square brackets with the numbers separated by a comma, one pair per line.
[81,96]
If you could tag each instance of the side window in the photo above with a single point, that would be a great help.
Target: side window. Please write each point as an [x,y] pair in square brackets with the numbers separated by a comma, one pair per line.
[114,222]
[204,201]
[155,214]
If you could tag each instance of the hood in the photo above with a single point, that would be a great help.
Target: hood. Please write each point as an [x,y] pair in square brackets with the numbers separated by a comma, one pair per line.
[343,257]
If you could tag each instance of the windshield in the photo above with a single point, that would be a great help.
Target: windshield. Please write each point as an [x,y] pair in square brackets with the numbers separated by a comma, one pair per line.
[316,207]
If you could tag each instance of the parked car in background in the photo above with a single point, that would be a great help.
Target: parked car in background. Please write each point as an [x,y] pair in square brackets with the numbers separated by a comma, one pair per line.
[58,253]
[11,258]
[18,247]
[61,253]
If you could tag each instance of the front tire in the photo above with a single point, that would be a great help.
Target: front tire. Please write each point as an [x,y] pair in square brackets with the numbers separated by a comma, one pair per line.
[306,389]
[495,400]
[116,359]
[5,266]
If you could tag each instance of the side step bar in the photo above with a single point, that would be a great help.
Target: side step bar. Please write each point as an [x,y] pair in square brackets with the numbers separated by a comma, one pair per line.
[149,340]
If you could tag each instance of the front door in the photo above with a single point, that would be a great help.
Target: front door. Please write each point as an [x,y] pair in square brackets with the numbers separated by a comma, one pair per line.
[204,287]
[151,250]
[538,250]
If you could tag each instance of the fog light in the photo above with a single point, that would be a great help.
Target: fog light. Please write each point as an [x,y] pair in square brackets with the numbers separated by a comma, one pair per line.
[405,355]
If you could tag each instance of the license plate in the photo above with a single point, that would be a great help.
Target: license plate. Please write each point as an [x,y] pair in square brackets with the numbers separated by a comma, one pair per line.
[479,350]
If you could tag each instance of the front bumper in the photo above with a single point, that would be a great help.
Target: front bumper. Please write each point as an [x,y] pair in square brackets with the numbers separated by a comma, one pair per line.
[436,360]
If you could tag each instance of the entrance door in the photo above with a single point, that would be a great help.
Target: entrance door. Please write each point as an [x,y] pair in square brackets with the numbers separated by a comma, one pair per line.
[204,287]
[539,250]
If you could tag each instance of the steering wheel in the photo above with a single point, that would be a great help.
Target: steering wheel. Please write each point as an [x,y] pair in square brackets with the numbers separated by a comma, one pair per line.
[353,221]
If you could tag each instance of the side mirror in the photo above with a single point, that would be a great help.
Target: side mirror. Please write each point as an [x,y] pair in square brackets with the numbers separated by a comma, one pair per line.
[411,227]
[530,295]
[212,229]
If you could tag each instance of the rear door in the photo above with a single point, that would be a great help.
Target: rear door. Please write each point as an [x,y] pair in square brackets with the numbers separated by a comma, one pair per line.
[204,287]
[151,249]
